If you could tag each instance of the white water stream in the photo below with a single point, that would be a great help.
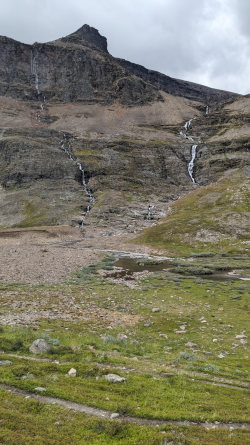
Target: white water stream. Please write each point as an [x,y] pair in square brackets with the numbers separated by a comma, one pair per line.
[191,163]
[2,133]
[187,127]
[65,146]
[34,66]
[34,70]
[149,214]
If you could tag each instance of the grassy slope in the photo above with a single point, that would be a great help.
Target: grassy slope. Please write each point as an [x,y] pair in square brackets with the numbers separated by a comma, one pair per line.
[212,218]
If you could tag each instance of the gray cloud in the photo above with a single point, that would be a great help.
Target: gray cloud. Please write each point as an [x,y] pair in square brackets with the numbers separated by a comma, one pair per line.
[204,41]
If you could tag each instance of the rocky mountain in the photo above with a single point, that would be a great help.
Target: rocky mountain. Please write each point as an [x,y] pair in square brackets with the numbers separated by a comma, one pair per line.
[89,139]
[78,67]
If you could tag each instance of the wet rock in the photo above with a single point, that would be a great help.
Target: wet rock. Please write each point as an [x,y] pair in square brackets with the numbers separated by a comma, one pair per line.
[39,346]
[114,378]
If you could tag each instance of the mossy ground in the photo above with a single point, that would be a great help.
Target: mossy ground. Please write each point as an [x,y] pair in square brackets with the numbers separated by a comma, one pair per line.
[210,219]
[165,378]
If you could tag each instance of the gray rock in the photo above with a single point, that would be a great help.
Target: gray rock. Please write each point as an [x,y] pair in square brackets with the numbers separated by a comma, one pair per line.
[164,336]
[190,344]
[72,372]
[39,346]
[122,336]
[155,309]
[114,378]
[40,388]
[5,362]
[114,415]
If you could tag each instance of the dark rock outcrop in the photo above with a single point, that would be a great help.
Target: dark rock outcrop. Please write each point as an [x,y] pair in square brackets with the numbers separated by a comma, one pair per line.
[74,68]
[78,67]
[88,36]
[177,87]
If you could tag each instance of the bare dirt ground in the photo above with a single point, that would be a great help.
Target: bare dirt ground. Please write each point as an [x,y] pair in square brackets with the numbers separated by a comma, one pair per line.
[49,254]
[113,121]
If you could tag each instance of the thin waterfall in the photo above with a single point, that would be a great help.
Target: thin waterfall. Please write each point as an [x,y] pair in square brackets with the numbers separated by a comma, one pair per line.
[149,214]
[187,126]
[207,110]
[34,70]
[2,132]
[65,146]
[191,163]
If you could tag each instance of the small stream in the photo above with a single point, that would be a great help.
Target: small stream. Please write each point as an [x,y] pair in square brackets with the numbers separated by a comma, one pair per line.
[66,147]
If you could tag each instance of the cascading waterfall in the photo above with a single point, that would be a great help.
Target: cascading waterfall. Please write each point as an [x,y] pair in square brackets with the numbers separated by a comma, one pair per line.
[207,110]
[34,71]
[34,68]
[2,132]
[149,214]
[187,126]
[65,146]
[191,163]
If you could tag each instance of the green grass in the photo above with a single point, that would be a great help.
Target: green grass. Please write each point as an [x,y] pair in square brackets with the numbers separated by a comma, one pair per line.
[33,216]
[140,395]
[100,324]
[27,422]
[219,217]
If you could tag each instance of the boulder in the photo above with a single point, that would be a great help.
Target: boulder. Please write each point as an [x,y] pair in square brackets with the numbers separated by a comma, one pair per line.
[5,362]
[40,389]
[114,378]
[72,372]
[39,346]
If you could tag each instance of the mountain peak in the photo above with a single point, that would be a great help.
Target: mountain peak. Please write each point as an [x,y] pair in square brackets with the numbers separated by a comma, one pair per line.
[89,36]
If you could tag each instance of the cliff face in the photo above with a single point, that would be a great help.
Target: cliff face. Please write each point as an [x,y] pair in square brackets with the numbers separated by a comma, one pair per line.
[75,68]
[177,87]
[78,67]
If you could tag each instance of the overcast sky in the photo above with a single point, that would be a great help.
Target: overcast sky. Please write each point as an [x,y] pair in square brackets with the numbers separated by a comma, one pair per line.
[204,41]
